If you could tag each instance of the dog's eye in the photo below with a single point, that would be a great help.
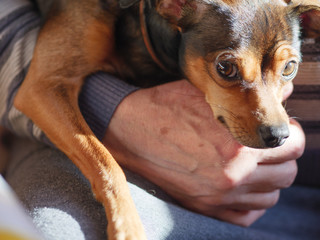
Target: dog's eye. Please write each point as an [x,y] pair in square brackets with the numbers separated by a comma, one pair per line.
[227,69]
[290,70]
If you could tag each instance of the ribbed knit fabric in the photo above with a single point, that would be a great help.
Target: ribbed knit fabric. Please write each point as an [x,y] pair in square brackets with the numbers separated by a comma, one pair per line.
[19,26]
[100,96]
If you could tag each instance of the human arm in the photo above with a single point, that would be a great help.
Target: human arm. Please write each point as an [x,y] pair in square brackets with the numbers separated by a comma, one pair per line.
[168,135]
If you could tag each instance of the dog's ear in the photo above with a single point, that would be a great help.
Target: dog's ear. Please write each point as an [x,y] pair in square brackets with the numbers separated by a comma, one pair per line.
[127,3]
[175,10]
[309,11]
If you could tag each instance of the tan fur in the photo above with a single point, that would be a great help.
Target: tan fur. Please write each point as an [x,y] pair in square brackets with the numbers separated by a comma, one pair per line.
[53,82]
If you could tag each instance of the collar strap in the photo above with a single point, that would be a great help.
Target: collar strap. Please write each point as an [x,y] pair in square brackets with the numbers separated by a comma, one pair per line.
[147,40]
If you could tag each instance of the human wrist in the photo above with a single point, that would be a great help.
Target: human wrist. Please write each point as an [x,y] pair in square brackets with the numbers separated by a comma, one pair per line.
[100,96]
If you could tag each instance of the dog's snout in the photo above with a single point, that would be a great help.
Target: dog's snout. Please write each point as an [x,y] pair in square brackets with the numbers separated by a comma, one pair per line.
[274,136]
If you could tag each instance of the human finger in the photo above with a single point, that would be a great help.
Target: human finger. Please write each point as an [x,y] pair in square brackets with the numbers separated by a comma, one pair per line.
[231,213]
[254,200]
[241,218]
[271,176]
[293,148]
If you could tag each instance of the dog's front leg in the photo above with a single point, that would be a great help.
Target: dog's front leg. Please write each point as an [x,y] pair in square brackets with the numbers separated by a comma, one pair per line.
[55,110]
[51,101]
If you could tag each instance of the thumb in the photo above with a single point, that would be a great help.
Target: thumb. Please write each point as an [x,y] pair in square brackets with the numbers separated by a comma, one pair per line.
[292,149]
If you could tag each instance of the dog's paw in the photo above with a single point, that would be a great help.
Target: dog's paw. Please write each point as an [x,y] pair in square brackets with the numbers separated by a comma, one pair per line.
[127,228]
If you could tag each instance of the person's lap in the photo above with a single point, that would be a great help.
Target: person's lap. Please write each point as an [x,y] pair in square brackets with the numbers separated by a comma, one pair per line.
[62,206]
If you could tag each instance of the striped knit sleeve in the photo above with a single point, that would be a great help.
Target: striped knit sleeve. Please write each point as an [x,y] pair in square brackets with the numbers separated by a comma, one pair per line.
[100,96]
[19,27]
[304,105]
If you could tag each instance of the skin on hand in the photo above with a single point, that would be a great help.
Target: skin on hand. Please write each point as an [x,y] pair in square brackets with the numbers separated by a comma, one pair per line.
[168,135]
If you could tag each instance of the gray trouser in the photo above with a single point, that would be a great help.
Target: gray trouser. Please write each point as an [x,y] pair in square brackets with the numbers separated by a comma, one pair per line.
[62,206]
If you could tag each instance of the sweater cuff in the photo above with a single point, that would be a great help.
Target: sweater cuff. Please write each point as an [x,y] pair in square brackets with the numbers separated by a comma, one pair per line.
[99,98]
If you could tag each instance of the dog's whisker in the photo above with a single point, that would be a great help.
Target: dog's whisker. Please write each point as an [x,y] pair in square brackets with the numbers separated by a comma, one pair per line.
[226,110]
[231,119]
[295,117]
[284,104]
[237,127]
[288,110]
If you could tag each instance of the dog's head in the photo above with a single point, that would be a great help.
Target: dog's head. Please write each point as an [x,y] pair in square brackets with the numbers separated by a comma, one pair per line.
[241,54]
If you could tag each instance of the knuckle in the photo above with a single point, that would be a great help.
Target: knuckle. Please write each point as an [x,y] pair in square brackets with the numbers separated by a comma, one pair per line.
[228,182]
[297,146]
[290,174]
[246,224]
[275,198]
[247,221]
[242,218]
[265,201]
[272,199]
[298,151]
[253,216]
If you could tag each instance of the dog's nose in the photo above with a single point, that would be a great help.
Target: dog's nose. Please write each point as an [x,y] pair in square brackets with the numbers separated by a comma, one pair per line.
[274,136]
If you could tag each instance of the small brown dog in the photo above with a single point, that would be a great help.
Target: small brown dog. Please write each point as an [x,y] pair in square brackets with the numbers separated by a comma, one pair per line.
[240,53]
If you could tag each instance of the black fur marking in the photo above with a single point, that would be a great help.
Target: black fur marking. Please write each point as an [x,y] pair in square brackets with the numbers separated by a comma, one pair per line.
[244,26]
[165,40]
[247,25]
[127,3]
[144,72]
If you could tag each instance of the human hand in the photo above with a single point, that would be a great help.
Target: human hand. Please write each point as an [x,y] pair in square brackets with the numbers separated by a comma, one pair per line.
[168,135]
